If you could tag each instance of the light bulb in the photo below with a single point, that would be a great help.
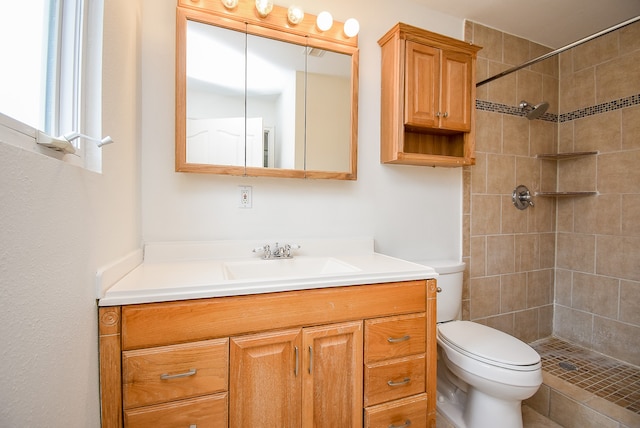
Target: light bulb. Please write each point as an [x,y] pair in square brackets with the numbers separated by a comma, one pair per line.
[324,21]
[351,27]
[229,4]
[264,7]
[295,14]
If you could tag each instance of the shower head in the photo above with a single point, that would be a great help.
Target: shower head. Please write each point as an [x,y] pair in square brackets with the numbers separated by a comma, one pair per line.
[534,112]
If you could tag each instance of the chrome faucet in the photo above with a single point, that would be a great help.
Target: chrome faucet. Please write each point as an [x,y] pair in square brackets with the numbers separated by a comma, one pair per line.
[277,252]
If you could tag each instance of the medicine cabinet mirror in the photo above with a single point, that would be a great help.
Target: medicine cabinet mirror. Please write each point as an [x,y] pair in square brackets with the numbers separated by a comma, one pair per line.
[260,97]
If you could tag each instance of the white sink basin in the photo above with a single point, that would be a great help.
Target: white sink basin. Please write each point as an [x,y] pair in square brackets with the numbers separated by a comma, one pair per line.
[286,268]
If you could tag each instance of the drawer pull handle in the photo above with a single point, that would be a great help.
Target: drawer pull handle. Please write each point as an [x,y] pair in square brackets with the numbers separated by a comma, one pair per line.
[193,426]
[404,425]
[404,381]
[398,339]
[297,359]
[310,360]
[166,376]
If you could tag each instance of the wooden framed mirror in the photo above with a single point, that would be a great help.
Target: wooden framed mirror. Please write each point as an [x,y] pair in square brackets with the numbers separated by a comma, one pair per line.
[258,96]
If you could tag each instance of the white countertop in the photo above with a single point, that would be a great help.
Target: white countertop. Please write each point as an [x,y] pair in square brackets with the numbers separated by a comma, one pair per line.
[180,271]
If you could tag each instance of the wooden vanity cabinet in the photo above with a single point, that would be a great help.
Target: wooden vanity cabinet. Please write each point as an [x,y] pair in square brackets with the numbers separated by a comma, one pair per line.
[427,99]
[321,358]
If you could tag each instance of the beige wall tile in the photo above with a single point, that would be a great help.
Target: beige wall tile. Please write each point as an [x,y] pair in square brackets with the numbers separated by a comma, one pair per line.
[565,215]
[629,38]
[503,90]
[488,132]
[526,325]
[500,254]
[573,414]
[540,400]
[528,172]
[482,73]
[513,219]
[516,49]
[485,297]
[490,40]
[599,214]
[513,292]
[547,255]
[618,78]
[565,64]
[577,174]
[595,51]
[539,288]
[477,262]
[630,220]
[599,132]
[577,90]
[542,215]
[501,178]
[543,136]
[527,252]
[566,137]
[574,326]
[616,339]
[466,190]
[619,172]
[563,284]
[549,66]
[631,128]
[529,86]
[503,323]
[576,252]
[596,294]
[515,134]
[548,176]
[466,226]
[468,31]
[485,214]
[618,256]
[545,321]
[551,93]
[630,302]
[479,175]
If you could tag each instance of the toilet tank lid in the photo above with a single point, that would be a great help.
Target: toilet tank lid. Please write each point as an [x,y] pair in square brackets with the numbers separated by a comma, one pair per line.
[444,266]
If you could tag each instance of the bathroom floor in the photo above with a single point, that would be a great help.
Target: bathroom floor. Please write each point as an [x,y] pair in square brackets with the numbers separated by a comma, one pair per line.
[612,380]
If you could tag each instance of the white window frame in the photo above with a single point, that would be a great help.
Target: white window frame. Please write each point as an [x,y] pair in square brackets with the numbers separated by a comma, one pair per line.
[73,95]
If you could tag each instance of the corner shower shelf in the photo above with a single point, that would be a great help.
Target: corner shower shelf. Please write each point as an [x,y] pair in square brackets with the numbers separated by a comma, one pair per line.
[565,194]
[564,156]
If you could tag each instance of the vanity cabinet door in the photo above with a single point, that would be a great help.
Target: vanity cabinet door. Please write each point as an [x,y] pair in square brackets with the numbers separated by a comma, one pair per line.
[332,373]
[264,380]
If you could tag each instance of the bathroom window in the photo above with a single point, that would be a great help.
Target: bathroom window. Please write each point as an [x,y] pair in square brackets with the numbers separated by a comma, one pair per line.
[51,55]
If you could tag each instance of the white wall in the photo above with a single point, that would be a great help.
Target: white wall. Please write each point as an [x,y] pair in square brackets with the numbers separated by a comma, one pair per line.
[61,223]
[412,212]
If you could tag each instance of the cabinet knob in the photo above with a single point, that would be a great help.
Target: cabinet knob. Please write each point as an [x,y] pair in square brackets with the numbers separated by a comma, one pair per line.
[446,114]
[438,114]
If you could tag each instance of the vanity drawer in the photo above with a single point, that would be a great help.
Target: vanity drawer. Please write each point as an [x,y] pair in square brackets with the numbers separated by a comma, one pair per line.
[411,411]
[204,412]
[393,379]
[157,375]
[393,337]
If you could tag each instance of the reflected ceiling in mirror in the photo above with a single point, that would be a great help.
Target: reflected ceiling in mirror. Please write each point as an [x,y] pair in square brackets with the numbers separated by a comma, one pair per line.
[256,99]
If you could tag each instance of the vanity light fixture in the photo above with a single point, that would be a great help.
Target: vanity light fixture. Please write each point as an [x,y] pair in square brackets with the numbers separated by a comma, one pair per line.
[264,7]
[229,4]
[351,27]
[324,21]
[295,14]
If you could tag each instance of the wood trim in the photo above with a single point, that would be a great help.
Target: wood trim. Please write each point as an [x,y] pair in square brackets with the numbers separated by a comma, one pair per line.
[157,324]
[432,352]
[109,334]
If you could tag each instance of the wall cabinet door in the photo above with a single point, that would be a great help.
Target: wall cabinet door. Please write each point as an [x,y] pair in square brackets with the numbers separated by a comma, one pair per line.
[265,386]
[332,387]
[438,88]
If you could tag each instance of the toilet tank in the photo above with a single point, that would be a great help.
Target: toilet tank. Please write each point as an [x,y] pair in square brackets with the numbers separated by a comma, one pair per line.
[449,299]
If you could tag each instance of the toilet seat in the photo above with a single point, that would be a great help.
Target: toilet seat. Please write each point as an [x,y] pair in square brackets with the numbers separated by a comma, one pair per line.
[489,345]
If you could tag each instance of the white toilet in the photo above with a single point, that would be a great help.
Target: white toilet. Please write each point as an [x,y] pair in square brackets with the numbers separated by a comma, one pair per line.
[483,373]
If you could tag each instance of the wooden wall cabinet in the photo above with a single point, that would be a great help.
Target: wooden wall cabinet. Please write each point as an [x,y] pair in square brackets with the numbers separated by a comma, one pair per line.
[427,99]
[332,357]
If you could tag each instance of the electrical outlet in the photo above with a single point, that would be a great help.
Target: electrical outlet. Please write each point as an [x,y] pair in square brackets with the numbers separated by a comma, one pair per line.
[245,197]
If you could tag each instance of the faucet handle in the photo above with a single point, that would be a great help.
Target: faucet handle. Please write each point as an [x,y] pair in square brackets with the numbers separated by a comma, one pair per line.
[265,249]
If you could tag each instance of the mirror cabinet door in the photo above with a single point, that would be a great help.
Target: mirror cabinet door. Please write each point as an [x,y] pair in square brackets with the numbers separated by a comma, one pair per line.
[259,102]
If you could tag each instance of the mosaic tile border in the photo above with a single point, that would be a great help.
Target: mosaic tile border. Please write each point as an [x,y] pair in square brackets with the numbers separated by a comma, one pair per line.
[630,101]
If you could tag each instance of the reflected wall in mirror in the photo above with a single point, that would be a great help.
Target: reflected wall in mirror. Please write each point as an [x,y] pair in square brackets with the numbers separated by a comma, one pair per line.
[256,96]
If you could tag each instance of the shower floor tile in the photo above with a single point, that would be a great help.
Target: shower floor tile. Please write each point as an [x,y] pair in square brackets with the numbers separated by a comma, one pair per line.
[612,380]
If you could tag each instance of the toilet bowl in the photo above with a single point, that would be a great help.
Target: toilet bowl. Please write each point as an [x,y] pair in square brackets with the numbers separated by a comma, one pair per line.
[483,374]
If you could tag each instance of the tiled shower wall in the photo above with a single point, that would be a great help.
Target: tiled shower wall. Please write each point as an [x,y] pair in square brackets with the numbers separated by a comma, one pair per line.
[598,239]
[510,254]
[594,96]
